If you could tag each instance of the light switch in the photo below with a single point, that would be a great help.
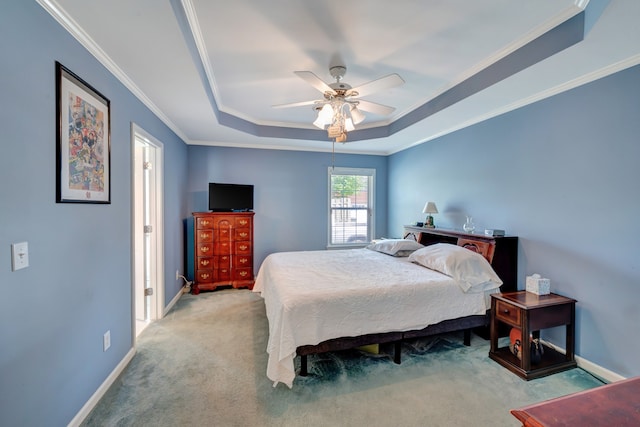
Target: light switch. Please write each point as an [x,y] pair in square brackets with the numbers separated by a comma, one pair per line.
[19,256]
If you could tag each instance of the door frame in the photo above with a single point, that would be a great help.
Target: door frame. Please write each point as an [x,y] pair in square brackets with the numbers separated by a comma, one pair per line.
[157,299]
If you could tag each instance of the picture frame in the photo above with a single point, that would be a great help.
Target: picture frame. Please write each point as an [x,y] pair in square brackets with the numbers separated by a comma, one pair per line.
[83,128]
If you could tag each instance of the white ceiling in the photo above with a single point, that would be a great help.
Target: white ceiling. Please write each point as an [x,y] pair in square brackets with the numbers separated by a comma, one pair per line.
[212,69]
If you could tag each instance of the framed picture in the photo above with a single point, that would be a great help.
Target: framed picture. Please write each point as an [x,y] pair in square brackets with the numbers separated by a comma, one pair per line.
[83,141]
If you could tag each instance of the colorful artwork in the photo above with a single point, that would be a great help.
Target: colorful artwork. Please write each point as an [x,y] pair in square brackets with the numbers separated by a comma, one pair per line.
[86,145]
[83,154]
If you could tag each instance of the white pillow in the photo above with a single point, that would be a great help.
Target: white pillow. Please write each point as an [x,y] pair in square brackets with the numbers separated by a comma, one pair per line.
[471,271]
[395,247]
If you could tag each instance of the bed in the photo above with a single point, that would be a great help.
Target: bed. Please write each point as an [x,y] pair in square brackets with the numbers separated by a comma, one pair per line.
[318,301]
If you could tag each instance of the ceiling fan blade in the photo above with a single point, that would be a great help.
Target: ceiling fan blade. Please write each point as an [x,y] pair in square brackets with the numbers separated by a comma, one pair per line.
[296,104]
[375,108]
[314,81]
[386,82]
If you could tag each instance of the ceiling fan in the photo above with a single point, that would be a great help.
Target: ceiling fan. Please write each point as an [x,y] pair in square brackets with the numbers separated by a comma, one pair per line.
[340,109]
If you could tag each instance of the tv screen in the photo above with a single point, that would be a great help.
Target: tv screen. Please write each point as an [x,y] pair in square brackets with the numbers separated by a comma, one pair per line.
[230,197]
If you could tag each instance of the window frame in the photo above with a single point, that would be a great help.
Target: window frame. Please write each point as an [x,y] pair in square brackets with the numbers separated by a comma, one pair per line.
[370,173]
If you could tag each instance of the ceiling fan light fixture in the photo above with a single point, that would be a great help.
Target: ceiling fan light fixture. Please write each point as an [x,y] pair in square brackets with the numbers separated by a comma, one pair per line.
[356,115]
[325,116]
[339,113]
[348,125]
[319,123]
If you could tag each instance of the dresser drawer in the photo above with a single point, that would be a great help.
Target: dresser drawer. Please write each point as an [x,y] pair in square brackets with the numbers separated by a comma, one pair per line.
[204,249]
[242,261]
[242,234]
[223,274]
[242,248]
[243,274]
[204,223]
[222,248]
[205,263]
[508,313]
[204,235]
[223,234]
[222,261]
[242,222]
[204,276]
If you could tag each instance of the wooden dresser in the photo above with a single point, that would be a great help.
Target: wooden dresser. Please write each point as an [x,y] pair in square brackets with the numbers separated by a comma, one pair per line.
[223,250]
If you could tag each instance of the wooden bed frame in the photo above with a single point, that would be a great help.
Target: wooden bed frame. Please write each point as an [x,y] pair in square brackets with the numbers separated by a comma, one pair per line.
[502,252]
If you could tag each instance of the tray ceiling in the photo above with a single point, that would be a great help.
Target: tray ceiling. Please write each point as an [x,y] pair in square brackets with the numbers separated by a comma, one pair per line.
[213,70]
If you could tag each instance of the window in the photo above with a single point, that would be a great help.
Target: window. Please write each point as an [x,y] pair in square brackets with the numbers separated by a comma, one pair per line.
[351,208]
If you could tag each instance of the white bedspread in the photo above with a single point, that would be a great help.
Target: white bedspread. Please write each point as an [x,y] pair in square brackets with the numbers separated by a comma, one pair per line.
[314,296]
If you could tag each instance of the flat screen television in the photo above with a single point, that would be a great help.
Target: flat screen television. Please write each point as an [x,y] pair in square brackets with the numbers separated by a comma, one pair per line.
[230,197]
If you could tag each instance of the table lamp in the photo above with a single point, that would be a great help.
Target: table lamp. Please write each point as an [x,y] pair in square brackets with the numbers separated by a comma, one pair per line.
[429,208]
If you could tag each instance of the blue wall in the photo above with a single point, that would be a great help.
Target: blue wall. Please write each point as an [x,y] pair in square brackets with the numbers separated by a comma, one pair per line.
[78,285]
[562,174]
[290,193]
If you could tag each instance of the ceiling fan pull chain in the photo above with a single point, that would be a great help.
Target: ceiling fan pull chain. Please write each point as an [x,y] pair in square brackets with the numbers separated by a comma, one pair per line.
[333,154]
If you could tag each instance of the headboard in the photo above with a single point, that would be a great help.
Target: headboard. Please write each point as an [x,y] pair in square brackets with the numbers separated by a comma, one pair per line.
[483,247]
[501,252]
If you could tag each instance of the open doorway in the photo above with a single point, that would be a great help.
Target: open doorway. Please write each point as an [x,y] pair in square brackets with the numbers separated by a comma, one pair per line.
[147,191]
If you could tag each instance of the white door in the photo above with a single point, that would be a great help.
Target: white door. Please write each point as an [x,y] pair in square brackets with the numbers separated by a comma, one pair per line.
[147,230]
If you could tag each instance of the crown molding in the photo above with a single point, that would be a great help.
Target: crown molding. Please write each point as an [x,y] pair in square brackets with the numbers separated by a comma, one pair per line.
[571,84]
[72,27]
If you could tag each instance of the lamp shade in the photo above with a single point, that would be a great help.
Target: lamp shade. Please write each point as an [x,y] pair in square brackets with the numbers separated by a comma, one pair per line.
[348,124]
[324,116]
[430,207]
[356,115]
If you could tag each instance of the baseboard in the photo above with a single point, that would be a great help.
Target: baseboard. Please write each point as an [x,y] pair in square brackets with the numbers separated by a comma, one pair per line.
[173,301]
[594,369]
[93,401]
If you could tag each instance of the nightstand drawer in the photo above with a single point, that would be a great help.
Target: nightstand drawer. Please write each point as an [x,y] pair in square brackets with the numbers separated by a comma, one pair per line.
[508,313]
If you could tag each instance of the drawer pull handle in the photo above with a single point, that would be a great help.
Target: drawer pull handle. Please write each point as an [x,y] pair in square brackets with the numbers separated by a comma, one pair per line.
[505,311]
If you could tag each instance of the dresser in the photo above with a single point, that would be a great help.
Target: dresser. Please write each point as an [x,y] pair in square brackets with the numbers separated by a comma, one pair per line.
[223,253]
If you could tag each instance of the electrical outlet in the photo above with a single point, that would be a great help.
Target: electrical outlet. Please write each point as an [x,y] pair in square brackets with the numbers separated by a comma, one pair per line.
[177,274]
[106,341]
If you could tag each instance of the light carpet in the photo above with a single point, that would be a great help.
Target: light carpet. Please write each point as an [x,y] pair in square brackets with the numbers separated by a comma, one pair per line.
[204,364]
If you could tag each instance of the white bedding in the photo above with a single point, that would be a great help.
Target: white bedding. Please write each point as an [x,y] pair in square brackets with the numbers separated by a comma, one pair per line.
[314,296]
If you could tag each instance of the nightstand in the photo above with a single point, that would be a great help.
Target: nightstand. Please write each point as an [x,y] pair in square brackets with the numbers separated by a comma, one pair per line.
[531,313]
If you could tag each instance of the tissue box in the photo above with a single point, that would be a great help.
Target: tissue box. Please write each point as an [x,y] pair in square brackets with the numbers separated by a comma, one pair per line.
[538,285]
